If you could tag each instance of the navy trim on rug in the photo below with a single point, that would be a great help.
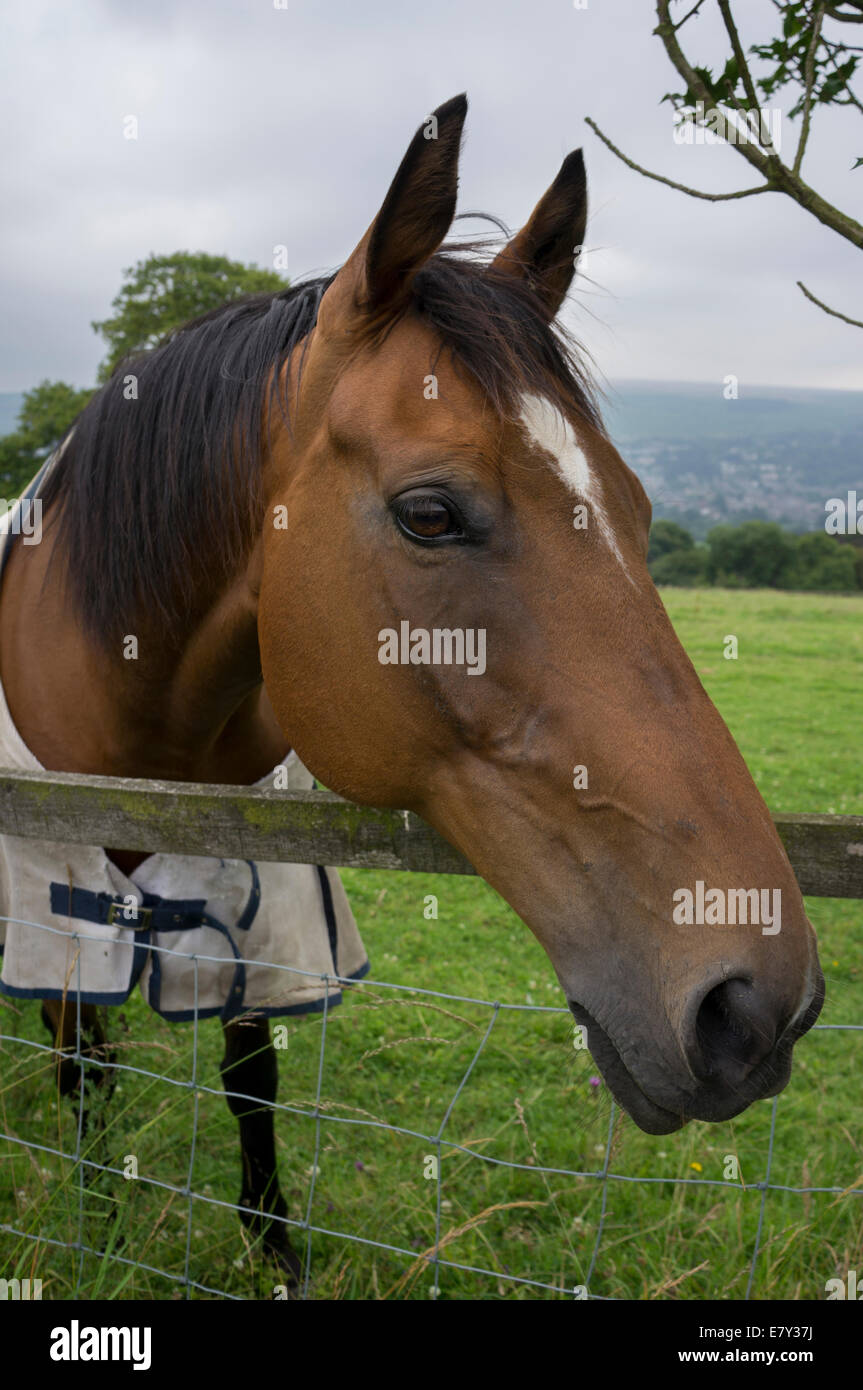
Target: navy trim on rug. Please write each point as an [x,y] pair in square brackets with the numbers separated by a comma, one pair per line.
[16,992]
[330,915]
[250,911]
[314,1006]
[84,905]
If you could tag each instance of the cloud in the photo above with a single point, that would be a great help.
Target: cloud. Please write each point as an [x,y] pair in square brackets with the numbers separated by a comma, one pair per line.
[260,126]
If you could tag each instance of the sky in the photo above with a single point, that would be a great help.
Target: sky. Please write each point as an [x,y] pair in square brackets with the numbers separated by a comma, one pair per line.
[261,126]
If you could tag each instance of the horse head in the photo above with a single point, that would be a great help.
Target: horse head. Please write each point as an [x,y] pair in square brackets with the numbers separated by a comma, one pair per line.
[458,619]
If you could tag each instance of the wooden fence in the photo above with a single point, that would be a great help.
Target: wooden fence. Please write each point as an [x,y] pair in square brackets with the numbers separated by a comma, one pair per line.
[319,827]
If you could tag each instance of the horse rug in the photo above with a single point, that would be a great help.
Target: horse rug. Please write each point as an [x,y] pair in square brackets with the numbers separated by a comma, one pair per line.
[205,936]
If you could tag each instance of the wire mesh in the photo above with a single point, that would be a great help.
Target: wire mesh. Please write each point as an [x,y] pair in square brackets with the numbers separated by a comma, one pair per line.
[307,1226]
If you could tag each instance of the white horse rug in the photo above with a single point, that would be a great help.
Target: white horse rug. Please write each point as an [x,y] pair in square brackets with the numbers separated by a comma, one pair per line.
[212,936]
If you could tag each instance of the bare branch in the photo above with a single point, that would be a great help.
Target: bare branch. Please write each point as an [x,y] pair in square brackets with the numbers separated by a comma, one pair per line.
[769,165]
[855,323]
[835,13]
[681,187]
[695,8]
[809,77]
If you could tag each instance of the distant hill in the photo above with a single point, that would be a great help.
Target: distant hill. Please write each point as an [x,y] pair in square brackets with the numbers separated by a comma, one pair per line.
[673,410]
[775,453]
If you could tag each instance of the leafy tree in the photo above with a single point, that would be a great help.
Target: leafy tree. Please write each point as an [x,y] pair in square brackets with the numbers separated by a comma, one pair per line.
[819,563]
[753,555]
[684,568]
[811,54]
[45,415]
[163,292]
[666,537]
[855,544]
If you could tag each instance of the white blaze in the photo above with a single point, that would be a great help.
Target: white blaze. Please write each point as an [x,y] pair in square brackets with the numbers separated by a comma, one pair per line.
[551,431]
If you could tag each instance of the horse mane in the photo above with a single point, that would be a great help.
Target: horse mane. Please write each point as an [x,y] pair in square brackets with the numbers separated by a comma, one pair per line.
[149,493]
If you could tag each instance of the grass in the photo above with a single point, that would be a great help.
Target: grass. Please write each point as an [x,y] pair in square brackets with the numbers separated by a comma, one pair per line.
[792,701]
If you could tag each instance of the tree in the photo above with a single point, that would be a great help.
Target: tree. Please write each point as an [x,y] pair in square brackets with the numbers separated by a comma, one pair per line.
[855,544]
[666,537]
[811,54]
[684,568]
[163,292]
[45,415]
[818,563]
[753,555]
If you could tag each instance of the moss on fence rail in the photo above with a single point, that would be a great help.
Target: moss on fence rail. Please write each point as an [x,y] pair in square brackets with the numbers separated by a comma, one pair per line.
[320,828]
[315,827]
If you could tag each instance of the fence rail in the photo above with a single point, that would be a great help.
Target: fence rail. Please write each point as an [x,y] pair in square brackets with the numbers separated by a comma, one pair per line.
[318,827]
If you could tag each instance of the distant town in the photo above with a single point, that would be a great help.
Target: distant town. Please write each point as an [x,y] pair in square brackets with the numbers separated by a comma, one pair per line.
[771,455]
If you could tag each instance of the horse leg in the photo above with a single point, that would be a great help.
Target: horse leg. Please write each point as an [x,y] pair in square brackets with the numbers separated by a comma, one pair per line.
[60,1017]
[250,1067]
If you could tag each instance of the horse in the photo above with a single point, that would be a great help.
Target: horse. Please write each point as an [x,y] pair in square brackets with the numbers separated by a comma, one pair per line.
[457,618]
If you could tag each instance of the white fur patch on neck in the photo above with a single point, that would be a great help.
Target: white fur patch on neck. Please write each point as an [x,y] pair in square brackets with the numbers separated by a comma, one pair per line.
[553,433]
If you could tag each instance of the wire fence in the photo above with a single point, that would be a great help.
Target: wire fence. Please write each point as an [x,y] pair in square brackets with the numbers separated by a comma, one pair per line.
[434,1258]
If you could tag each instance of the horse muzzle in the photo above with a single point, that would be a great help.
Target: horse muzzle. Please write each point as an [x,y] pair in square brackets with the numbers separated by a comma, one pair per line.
[734,1047]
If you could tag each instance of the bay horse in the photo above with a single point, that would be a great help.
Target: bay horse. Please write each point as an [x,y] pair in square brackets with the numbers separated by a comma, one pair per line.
[434,442]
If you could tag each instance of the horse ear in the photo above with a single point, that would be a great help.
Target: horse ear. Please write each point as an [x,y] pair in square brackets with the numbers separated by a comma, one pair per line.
[543,252]
[414,219]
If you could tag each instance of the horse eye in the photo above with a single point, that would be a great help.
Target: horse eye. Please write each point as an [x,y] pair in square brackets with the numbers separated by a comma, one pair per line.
[423,516]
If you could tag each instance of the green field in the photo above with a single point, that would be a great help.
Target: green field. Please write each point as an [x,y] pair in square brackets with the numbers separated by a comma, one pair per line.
[792,700]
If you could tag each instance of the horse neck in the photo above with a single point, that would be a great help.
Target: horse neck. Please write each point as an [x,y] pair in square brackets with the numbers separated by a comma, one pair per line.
[193,708]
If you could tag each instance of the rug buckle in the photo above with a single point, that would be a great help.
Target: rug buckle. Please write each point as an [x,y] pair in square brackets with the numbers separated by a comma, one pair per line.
[140,922]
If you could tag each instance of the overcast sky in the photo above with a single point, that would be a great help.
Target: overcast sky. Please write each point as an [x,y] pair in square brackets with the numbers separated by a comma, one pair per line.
[260,126]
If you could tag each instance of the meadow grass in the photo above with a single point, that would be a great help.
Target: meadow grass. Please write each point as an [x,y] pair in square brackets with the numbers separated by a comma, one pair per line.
[791,700]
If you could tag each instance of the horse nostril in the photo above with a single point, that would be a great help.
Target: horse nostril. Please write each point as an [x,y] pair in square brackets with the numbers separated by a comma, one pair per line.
[735,1029]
